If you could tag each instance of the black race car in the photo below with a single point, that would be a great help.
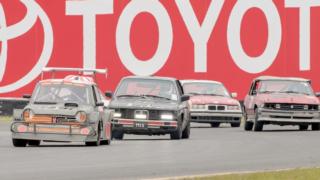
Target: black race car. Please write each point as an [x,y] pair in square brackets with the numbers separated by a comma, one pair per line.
[150,106]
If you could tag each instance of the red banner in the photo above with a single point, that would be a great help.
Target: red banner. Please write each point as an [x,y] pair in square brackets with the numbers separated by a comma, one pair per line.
[229,41]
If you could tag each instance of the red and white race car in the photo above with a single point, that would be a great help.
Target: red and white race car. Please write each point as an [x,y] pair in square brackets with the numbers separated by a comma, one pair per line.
[210,102]
[281,101]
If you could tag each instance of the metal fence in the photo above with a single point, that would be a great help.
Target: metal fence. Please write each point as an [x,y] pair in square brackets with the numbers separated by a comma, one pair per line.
[8,104]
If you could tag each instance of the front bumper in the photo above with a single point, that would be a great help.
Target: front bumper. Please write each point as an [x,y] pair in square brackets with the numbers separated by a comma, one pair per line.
[268,115]
[135,126]
[53,132]
[210,117]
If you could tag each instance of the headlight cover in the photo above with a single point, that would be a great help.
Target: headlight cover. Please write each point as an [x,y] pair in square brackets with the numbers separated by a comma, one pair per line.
[27,114]
[198,106]
[117,115]
[233,107]
[81,116]
[167,117]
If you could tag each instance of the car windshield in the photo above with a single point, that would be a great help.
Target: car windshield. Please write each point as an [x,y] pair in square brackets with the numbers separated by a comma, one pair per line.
[148,88]
[284,86]
[201,88]
[61,93]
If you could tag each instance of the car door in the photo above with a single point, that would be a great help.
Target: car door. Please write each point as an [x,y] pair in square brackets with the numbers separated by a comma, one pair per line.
[249,101]
[183,105]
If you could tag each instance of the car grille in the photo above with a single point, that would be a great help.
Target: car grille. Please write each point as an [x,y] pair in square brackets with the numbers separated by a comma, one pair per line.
[295,107]
[153,114]
[216,107]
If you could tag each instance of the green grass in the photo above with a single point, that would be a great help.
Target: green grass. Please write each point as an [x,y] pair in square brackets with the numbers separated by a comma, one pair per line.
[295,174]
[5,118]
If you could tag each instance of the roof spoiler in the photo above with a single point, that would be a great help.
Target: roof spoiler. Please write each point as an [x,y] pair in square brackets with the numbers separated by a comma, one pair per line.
[80,71]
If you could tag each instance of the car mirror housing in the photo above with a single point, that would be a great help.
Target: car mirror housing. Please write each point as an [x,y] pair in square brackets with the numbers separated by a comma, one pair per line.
[234,94]
[109,94]
[185,98]
[26,96]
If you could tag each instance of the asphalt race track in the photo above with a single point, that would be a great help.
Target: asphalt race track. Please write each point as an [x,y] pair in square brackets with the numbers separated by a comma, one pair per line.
[210,150]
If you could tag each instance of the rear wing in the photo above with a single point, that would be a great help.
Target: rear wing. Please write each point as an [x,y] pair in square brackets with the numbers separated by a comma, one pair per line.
[80,71]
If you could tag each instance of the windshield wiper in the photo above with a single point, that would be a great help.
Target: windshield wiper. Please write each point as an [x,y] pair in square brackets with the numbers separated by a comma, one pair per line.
[128,95]
[43,102]
[267,92]
[154,96]
[294,92]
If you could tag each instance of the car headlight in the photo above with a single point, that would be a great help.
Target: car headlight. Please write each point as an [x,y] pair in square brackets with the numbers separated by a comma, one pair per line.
[27,115]
[167,117]
[232,108]
[140,116]
[198,106]
[81,116]
[305,107]
[278,106]
[117,115]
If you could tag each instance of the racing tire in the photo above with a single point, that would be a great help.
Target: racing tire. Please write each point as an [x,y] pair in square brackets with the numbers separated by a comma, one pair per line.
[176,135]
[215,124]
[95,143]
[105,142]
[19,142]
[186,132]
[303,127]
[247,125]
[118,135]
[315,127]
[235,124]
[34,142]
[258,125]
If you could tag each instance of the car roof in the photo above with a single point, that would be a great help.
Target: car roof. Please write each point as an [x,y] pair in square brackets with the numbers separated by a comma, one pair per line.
[71,79]
[150,77]
[261,78]
[198,81]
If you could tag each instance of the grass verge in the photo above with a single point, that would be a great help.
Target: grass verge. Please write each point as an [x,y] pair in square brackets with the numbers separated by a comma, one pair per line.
[294,174]
[5,118]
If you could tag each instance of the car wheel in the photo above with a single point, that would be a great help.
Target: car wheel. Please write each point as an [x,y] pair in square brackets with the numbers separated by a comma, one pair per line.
[19,142]
[235,124]
[315,127]
[95,143]
[178,133]
[118,135]
[186,132]
[247,125]
[34,142]
[215,124]
[303,127]
[258,125]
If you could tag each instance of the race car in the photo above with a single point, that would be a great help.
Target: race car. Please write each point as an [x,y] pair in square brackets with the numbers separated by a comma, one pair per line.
[150,106]
[64,110]
[281,101]
[210,102]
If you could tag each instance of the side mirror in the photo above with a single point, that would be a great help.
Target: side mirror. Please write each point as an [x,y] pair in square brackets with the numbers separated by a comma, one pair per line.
[100,104]
[185,98]
[26,96]
[318,94]
[108,94]
[234,94]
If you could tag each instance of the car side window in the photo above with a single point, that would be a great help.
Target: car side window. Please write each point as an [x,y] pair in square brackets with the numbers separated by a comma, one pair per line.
[254,88]
[97,92]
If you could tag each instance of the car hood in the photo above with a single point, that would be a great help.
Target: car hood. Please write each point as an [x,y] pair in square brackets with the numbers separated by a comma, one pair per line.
[213,100]
[288,98]
[143,103]
[58,109]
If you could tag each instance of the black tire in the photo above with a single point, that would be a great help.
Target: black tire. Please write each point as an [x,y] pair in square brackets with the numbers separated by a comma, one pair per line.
[247,125]
[105,142]
[303,127]
[315,127]
[258,125]
[215,124]
[98,141]
[19,142]
[34,142]
[118,135]
[186,132]
[235,124]
[177,134]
